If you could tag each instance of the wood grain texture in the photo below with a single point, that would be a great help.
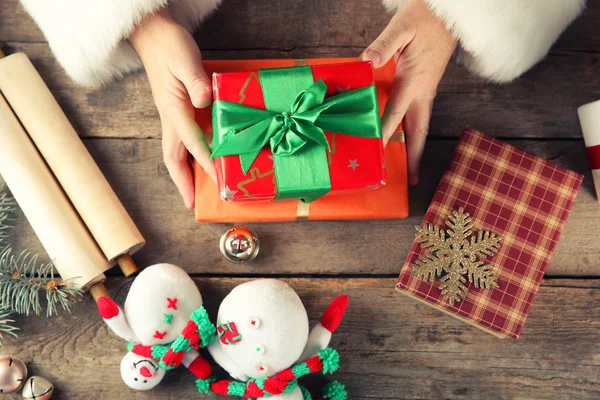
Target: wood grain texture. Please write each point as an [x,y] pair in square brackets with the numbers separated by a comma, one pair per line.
[417,353]
[391,346]
[135,170]
[534,106]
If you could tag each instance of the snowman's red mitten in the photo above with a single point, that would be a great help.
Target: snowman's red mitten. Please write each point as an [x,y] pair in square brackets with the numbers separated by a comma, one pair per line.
[334,313]
[198,365]
[115,318]
[320,335]
[107,307]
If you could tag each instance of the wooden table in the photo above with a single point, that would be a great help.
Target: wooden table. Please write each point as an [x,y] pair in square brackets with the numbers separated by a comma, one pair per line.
[391,346]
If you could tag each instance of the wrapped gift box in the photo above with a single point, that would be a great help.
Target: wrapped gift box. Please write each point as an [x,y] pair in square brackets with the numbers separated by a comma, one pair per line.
[353,162]
[354,205]
[521,198]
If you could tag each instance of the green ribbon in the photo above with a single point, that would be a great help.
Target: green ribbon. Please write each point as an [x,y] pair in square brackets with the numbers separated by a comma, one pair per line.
[294,123]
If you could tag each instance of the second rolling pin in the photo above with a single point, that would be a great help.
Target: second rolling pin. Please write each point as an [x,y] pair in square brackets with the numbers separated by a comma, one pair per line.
[67,241]
[64,152]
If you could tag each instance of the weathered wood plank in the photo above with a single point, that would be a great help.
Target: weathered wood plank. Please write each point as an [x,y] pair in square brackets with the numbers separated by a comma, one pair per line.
[573,283]
[242,25]
[391,347]
[542,104]
[134,167]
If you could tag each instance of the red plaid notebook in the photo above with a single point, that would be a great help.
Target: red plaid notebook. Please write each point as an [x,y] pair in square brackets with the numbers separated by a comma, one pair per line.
[522,198]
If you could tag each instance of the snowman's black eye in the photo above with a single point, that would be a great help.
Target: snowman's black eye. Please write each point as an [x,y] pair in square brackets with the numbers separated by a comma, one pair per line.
[135,379]
[145,381]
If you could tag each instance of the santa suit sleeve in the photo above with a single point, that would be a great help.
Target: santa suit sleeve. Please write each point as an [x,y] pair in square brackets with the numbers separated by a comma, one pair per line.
[501,39]
[89,37]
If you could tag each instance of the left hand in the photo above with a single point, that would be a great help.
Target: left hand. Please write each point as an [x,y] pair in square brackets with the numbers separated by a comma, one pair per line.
[179,83]
[422,47]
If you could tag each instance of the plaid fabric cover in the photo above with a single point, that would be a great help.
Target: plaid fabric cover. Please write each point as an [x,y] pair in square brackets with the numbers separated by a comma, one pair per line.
[520,197]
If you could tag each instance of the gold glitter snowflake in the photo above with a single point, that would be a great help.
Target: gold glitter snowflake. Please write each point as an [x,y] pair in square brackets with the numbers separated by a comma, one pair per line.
[453,253]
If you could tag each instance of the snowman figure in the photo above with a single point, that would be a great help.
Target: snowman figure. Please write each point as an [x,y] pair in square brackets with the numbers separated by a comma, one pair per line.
[264,343]
[165,323]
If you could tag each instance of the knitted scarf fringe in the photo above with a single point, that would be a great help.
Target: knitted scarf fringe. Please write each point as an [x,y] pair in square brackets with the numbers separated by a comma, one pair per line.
[285,381]
[198,332]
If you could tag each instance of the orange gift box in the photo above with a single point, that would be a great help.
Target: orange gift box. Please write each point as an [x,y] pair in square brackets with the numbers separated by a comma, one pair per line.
[390,201]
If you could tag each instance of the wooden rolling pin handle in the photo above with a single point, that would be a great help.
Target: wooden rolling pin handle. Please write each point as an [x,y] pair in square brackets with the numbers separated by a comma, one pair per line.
[127,265]
[99,290]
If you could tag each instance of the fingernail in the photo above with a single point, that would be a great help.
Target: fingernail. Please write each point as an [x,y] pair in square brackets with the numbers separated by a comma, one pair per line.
[213,175]
[203,97]
[205,102]
[373,55]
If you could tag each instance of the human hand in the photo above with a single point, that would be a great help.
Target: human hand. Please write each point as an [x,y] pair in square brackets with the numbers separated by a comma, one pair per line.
[422,47]
[179,83]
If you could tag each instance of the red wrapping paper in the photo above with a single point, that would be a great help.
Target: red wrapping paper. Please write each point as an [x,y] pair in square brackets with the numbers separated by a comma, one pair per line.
[523,199]
[390,201]
[355,163]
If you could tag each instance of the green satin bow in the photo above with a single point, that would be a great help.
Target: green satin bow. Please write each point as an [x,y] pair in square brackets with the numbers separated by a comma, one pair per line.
[296,136]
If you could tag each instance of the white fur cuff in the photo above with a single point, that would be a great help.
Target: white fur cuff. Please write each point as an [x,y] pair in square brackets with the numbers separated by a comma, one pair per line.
[89,37]
[501,39]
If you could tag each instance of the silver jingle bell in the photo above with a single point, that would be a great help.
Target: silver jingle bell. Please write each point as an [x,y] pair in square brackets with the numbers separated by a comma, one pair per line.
[37,388]
[13,373]
[239,244]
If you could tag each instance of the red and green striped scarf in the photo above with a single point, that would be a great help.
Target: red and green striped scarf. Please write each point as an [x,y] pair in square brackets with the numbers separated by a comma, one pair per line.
[285,381]
[198,332]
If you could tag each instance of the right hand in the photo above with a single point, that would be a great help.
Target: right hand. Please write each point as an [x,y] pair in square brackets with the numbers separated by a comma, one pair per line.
[422,47]
[179,84]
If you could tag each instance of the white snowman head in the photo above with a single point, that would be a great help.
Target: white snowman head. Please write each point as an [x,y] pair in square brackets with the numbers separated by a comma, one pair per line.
[140,373]
[262,327]
[160,302]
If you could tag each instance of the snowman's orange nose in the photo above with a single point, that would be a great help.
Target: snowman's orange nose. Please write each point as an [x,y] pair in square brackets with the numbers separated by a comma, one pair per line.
[145,372]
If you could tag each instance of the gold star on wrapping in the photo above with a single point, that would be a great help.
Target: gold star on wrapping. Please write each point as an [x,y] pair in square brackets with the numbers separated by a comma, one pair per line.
[242,92]
[454,253]
[255,175]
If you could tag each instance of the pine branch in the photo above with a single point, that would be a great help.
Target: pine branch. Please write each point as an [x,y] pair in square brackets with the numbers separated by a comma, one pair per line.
[7,205]
[6,326]
[22,280]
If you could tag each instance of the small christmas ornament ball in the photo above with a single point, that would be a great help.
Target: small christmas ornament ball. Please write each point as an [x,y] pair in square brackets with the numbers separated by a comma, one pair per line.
[37,388]
[13,373]
[239,244]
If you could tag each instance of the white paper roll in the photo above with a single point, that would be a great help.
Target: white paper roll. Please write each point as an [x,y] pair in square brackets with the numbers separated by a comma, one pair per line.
[64,236]
[589,118]
[71,163]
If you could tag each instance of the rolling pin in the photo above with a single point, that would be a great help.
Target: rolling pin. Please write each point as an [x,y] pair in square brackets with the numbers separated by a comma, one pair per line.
[65,238]
[70,162]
